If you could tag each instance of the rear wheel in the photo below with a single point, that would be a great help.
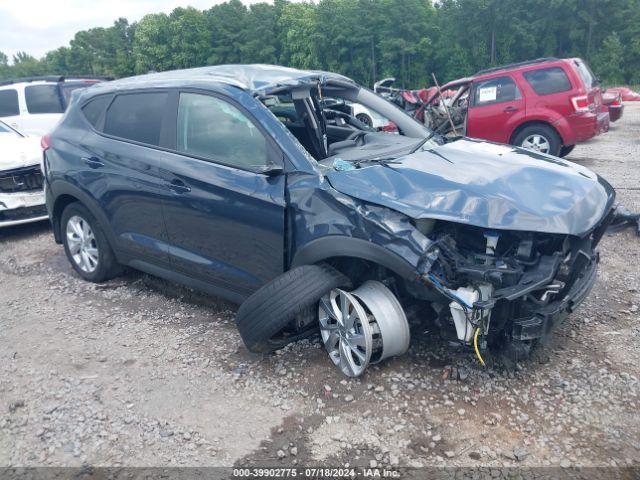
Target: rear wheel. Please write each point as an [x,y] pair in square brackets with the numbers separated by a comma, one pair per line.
[539,138]
[566,150]
[86,245]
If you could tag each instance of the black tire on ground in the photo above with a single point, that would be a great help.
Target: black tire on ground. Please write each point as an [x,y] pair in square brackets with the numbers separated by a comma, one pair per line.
[566,150]
[545,131]
[269,311]
[366,119]
[107,266]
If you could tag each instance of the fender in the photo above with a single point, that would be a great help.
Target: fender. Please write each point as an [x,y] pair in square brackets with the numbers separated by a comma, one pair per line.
[337,246]
[59,188]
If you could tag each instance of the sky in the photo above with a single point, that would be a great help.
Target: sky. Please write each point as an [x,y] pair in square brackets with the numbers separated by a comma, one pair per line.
[37,26]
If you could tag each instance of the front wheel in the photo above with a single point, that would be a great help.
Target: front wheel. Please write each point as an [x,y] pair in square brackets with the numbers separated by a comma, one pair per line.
[86,245]
[539,138]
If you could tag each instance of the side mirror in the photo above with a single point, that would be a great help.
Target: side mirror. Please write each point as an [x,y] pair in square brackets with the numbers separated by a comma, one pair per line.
[270,170]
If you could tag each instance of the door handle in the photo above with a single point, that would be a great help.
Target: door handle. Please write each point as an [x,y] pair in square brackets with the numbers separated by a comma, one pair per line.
[510,109]
[179,187]
[93,162]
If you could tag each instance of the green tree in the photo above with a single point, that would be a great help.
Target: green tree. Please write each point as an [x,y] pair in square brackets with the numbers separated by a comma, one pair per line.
[152,44]
[260,44]
[297,26]
[228,25]
[189,38]
[609,60]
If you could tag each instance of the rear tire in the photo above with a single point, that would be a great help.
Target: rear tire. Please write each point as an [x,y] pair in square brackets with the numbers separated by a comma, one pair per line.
[538,137]
[86,245]
[566,150]
[264,318]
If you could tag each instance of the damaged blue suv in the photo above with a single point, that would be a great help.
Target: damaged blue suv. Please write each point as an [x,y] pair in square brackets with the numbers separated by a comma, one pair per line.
[258,184]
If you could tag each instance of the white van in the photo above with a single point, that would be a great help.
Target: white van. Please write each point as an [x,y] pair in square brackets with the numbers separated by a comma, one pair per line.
[34,105]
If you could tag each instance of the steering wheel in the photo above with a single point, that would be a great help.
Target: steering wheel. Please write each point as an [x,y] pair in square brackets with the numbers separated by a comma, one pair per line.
[358,137]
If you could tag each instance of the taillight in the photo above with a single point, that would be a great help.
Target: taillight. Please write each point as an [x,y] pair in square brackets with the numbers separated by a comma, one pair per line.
[581,104]
[45,142]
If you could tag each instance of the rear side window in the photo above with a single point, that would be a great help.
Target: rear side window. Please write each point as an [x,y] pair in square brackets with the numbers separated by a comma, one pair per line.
[548,80]
[9,103]
[93,110]
[136,117]
[496,90]
[43,99]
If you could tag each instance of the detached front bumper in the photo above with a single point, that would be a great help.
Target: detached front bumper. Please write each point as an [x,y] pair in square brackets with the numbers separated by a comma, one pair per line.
[22,207]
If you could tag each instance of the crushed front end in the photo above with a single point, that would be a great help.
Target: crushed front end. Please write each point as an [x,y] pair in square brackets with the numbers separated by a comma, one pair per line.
[507,289]
[21,196]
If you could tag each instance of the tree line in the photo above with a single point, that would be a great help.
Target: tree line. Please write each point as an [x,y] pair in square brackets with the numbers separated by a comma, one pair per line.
[363,39]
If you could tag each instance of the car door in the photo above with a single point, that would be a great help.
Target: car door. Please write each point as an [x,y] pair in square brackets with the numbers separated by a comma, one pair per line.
[225,219]
[496,107]
[123,167]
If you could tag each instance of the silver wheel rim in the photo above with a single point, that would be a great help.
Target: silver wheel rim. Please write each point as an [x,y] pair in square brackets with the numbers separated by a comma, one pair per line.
[82,244]
[537,143]
[345,331]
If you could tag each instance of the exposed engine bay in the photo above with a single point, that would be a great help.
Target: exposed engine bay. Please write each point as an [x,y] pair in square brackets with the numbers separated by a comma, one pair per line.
[508,288]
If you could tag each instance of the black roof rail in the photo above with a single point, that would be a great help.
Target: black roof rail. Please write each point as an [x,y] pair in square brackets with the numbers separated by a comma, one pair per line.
[54,78]
[516,65]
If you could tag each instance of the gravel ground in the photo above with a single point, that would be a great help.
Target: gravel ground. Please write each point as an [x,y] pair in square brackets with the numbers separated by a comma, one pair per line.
[141,372]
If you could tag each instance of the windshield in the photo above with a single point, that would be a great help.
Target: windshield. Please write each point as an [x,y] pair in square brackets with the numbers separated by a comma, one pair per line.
[347,123]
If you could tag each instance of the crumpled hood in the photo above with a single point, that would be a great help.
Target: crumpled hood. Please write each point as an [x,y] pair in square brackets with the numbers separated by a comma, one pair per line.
[487,185]
[17,152]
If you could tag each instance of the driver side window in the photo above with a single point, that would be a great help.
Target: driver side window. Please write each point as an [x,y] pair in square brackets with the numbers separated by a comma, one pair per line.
[495,90]
[213,129]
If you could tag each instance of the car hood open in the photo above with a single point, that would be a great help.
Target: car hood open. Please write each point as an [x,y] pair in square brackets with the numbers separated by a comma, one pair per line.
[484,184]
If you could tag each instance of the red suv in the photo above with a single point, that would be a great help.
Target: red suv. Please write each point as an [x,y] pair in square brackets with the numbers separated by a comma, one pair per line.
[547,105]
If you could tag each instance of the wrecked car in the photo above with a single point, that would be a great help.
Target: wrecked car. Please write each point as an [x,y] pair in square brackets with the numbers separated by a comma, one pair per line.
[315,222]
[21,195]
[547,105]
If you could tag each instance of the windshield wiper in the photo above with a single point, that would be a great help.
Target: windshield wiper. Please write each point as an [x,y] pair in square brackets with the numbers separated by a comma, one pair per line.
[378,161]
[429,137]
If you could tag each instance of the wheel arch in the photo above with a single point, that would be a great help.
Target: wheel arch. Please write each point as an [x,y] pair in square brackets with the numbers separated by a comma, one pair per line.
[530,123]
[326,248]
[67,194]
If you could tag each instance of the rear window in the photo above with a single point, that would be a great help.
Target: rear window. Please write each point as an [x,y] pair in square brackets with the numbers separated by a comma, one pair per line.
[548,80]
[495,90]
[93,110]
[136,117]
[69,87]
[9,103]
[43,99]
[585,73]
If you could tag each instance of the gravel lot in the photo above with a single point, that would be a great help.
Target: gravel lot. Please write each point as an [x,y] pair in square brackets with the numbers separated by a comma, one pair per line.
[141,372]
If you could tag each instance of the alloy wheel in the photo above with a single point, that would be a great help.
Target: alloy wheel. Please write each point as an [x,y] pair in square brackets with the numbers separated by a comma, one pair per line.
[82,244]
[536,142]
[345,331]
